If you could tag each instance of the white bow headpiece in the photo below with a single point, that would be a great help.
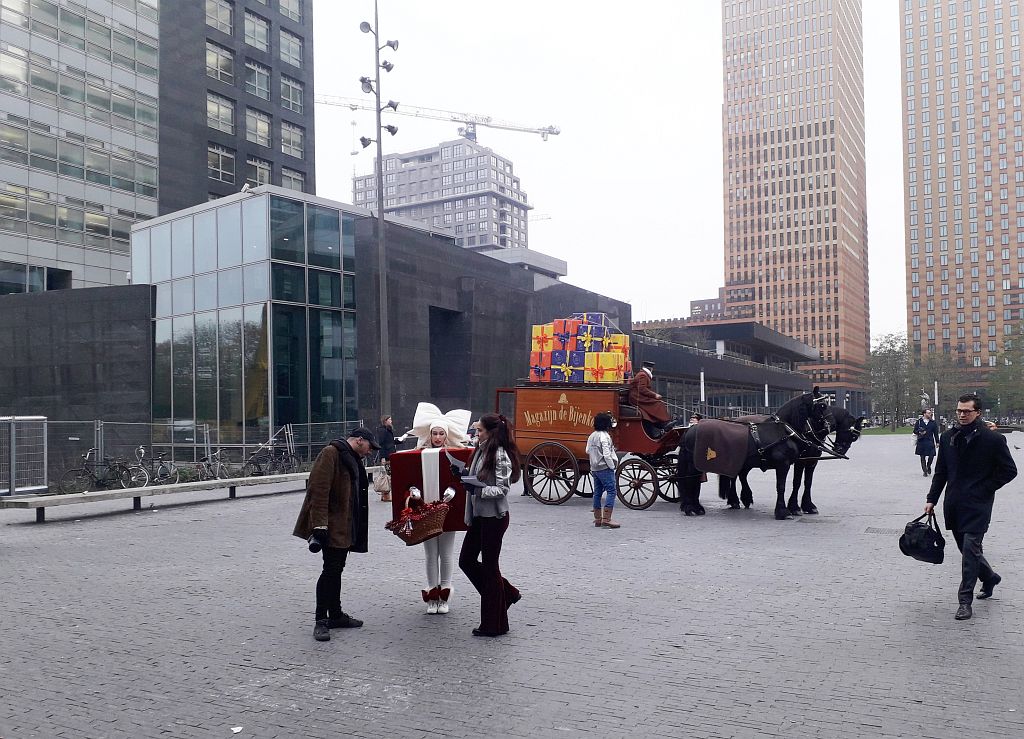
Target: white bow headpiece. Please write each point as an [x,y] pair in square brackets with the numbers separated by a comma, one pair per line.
[429,416]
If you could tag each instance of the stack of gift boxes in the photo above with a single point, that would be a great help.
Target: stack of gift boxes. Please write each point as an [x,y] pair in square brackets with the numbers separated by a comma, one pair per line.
[586,347]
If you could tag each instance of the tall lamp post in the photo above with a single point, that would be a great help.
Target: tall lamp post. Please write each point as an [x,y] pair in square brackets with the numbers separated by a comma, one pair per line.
[373,86]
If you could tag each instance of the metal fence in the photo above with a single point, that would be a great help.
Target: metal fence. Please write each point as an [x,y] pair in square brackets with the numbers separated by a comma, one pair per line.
[22,455]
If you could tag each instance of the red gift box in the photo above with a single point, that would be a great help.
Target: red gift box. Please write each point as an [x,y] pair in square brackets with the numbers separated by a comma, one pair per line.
[407,471]
[540,366]
[565,330]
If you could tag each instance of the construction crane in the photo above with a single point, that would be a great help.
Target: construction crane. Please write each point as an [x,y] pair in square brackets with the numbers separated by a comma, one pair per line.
[469,120]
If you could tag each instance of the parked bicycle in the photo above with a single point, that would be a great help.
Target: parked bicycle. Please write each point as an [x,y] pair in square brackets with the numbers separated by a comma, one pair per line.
[161,472]
[94,476]
[213,467]
[270,459]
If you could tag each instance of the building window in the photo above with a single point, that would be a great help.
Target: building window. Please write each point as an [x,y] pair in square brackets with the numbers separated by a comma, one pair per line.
[257,127]
[292,9]
[257,172]
[220,63]
[291,48]
[220,164]
[292,139]
[219,15]
[291,94]
[257,80]
[293,180]
[220,113]
[257,31]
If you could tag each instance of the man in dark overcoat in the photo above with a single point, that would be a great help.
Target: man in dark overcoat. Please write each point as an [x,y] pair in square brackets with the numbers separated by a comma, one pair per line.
[335,519]
[973,463]
[653,409]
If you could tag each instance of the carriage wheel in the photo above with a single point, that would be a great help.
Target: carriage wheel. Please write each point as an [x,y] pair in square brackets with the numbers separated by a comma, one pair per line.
[668,489]
[585,485]
[551,473]
[637,481]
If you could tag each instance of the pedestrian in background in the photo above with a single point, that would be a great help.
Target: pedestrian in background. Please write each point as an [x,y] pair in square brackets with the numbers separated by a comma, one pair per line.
[603,461]
[494,468]
[926,433]
[974,462]
[334,519]
[386,439]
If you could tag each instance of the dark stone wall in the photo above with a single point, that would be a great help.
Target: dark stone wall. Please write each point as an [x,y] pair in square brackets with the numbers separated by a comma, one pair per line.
[78,355]
[437,289]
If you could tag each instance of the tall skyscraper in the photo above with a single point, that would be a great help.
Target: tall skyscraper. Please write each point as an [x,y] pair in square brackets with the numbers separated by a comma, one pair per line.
[78,139]
[457,185]
[796,251]
[963,177]
[246,115]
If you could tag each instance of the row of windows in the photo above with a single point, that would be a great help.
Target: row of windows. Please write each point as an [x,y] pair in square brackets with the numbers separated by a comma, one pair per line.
[72,158]
[220,114]
[72,90]
[220,14]
[221,167]
[220,65]
[43,17]
[35,213]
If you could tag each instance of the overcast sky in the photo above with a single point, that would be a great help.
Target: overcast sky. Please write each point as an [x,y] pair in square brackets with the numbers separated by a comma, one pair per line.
[630,194]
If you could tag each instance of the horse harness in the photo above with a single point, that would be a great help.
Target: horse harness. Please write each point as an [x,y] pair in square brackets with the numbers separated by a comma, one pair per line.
[755,434]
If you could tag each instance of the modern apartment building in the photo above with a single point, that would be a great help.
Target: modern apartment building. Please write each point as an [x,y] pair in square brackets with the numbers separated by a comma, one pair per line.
[239,106]
[796,252]
[963,177]
[459,186]
[78,139]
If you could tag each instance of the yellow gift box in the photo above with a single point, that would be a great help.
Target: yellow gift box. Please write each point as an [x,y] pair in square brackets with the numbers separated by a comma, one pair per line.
[605,367]
[617,343]
[543,336]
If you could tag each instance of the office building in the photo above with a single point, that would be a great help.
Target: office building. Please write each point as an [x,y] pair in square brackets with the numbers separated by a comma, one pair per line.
[458,186]
[239,106]
[78,139]
[796,252]
[963,178]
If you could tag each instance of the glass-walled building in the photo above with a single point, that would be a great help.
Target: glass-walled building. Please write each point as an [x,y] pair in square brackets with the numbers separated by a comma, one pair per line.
[255,323]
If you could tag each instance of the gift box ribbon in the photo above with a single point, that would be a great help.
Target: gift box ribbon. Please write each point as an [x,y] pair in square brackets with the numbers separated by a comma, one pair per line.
[538,370]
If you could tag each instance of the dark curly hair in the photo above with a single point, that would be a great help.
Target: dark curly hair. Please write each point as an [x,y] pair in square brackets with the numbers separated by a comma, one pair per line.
[603,422]
[500,436]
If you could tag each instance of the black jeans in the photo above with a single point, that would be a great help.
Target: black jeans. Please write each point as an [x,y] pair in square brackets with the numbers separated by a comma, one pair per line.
[974,565]
[926,463]
[328,587]
[483,540]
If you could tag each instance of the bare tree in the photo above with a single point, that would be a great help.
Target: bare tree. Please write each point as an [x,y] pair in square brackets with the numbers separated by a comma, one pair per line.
[889,366]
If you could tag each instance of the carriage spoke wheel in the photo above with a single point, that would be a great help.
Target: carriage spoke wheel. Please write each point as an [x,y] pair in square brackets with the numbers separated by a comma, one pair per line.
[585,485]
[667,468]
[551,473]
[637,482]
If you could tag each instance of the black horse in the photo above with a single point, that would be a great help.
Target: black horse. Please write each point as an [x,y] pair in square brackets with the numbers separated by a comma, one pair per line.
[774,442]
[847,432]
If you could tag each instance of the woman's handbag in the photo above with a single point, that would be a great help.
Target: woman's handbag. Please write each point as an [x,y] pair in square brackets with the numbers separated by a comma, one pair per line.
[923,541]
[382,482]
[415,525]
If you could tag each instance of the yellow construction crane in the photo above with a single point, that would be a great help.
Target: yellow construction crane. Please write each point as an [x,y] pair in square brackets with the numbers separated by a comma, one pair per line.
[469,120]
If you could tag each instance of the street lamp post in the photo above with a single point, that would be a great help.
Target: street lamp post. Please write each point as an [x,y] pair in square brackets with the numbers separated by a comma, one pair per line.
[382,296]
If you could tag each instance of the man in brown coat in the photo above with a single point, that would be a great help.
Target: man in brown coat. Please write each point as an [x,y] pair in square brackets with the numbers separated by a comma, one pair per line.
[652,408]
[335,518]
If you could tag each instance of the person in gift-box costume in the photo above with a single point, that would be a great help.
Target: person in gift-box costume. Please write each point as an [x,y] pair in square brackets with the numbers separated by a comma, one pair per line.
[436,430]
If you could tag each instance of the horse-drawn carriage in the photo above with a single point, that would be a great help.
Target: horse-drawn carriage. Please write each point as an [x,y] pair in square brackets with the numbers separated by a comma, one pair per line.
[551,423]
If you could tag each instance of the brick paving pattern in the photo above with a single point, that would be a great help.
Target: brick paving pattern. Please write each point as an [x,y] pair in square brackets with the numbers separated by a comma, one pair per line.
[186,620]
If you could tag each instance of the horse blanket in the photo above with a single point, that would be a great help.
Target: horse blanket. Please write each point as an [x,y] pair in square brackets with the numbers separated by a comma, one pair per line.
[720,446]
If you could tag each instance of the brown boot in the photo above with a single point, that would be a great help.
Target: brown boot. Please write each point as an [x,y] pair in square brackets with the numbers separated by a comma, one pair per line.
[598,519]
[608,523]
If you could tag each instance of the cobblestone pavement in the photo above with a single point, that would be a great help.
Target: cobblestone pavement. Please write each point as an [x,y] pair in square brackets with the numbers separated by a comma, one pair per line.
[191,620]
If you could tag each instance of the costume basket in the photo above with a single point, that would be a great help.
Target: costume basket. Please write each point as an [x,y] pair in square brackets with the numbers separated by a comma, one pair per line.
[416,525]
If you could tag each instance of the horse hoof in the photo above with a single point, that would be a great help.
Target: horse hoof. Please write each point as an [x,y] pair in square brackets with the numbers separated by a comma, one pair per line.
[794,511]
[810,511]
[700,510]
[782,516]
[734,506]
[746,505]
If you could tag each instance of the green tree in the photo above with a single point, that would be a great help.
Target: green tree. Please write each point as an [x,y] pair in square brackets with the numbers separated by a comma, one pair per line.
[889,367]
[1006,382]
[953,379]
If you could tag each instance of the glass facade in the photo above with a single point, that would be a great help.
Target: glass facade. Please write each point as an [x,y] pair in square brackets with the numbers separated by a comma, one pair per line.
[255,317]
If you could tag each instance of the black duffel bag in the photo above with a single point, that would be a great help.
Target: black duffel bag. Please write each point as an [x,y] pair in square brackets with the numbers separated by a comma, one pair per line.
[923,541]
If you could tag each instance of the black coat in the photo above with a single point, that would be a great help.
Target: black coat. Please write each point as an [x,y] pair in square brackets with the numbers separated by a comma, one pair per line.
[386,441]
[927,433]
[973,463]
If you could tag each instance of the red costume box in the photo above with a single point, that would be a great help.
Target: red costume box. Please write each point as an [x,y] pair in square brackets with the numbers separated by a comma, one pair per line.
[407,470]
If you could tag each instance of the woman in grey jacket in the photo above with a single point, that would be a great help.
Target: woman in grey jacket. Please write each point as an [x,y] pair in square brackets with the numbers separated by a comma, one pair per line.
[495,466]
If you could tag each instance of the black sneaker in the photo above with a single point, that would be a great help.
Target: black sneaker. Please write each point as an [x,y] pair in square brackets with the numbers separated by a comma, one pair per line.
[343,621]
[321,632]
